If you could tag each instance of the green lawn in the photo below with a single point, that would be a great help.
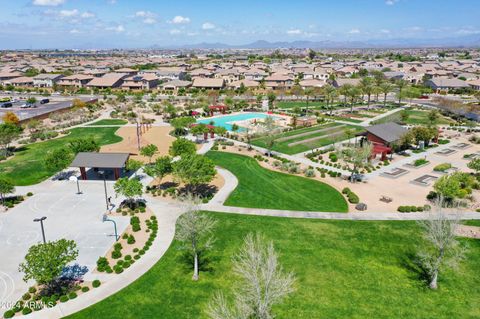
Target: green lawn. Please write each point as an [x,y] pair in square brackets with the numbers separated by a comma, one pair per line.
[262,188]
[27,166]
[301,104]
[415,117]
[109,122]
[283,146]
[421,117]
[344,270]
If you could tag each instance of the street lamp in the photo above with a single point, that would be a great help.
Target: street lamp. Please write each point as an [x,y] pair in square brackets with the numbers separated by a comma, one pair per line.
[41,224]
[106,219]
[75,179]
[105,187]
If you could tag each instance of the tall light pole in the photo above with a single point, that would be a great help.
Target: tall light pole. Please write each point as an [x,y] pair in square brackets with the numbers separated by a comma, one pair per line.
[138,135]
[41,225]
[105,188]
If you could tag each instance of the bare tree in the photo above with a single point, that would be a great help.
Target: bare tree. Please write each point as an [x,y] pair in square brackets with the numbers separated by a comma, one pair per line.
[442,249]
[263,283]
[194,230]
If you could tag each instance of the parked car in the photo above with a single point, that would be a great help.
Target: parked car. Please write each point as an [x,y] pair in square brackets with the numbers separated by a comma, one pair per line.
[27,105]
[6,104]
[44,101]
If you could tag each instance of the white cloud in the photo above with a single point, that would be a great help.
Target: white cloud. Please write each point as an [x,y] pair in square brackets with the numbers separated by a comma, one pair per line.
[354,31]
[47,3]
[208,26]
[385,31]
[149,21]
[294,32]
[391,2]
[175,31]
[68,13]
[112,1]
[414,29]
[74,31]
[87,15]
[148,17]
[180,20]
[118,29]
[468,31]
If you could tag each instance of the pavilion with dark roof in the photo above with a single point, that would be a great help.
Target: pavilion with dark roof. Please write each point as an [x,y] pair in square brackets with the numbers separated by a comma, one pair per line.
[100,161]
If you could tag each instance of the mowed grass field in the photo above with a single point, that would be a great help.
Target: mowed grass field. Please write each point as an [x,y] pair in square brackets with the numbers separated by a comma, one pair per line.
[421,117]
[27,166]
[283,146]
[109,122]
[343,270]
[262,188]
[415,117]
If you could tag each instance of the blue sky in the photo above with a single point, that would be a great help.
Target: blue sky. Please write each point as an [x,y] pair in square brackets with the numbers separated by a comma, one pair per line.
[143,23]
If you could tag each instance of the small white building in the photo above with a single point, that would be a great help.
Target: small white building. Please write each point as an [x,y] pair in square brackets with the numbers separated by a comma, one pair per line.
[46,80]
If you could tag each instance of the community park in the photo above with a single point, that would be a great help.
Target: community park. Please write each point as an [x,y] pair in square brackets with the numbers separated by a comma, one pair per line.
[184,216]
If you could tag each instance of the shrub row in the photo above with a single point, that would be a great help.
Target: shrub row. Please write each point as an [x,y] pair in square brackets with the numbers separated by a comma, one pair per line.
[351,196]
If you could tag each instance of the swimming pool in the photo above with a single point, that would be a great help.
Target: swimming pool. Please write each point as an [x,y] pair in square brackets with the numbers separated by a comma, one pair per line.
[226,120]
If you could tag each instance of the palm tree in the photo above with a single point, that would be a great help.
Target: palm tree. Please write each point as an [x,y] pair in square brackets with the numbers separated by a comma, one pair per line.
[330,93]
[308,93]
[385,88]
[353,93]
[401,84]
[367,87]
[343,91]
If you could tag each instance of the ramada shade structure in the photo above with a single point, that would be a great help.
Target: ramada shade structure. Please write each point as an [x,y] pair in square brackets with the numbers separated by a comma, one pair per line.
[115,161]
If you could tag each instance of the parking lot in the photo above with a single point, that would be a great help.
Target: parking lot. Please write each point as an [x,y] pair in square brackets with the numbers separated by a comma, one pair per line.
[69,215]
[55,103]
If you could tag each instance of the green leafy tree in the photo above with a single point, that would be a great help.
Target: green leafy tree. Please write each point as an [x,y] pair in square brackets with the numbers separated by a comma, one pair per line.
[45,262]
[220,130]
[404,116]
[433,117]
[58,159]
[133,165]
[6,187]
[149,151]
[194,170]
[181,147]
[87,144]
[8,133]
[455,186]
[160,168]
[131,188]
[181,123]
[199,129]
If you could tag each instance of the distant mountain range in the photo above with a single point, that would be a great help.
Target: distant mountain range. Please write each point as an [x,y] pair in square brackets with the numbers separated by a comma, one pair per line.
[466,41]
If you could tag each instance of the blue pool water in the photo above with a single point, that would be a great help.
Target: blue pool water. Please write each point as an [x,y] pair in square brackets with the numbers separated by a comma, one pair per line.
[226,120]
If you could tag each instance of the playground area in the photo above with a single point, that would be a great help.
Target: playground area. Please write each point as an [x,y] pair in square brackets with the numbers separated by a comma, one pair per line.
[157,135]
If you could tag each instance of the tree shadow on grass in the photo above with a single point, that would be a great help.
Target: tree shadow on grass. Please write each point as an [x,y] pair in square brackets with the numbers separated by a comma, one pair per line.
[206,262]
[416,271]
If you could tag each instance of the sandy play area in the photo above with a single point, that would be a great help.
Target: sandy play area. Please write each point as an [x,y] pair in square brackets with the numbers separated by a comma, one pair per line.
[157,135]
